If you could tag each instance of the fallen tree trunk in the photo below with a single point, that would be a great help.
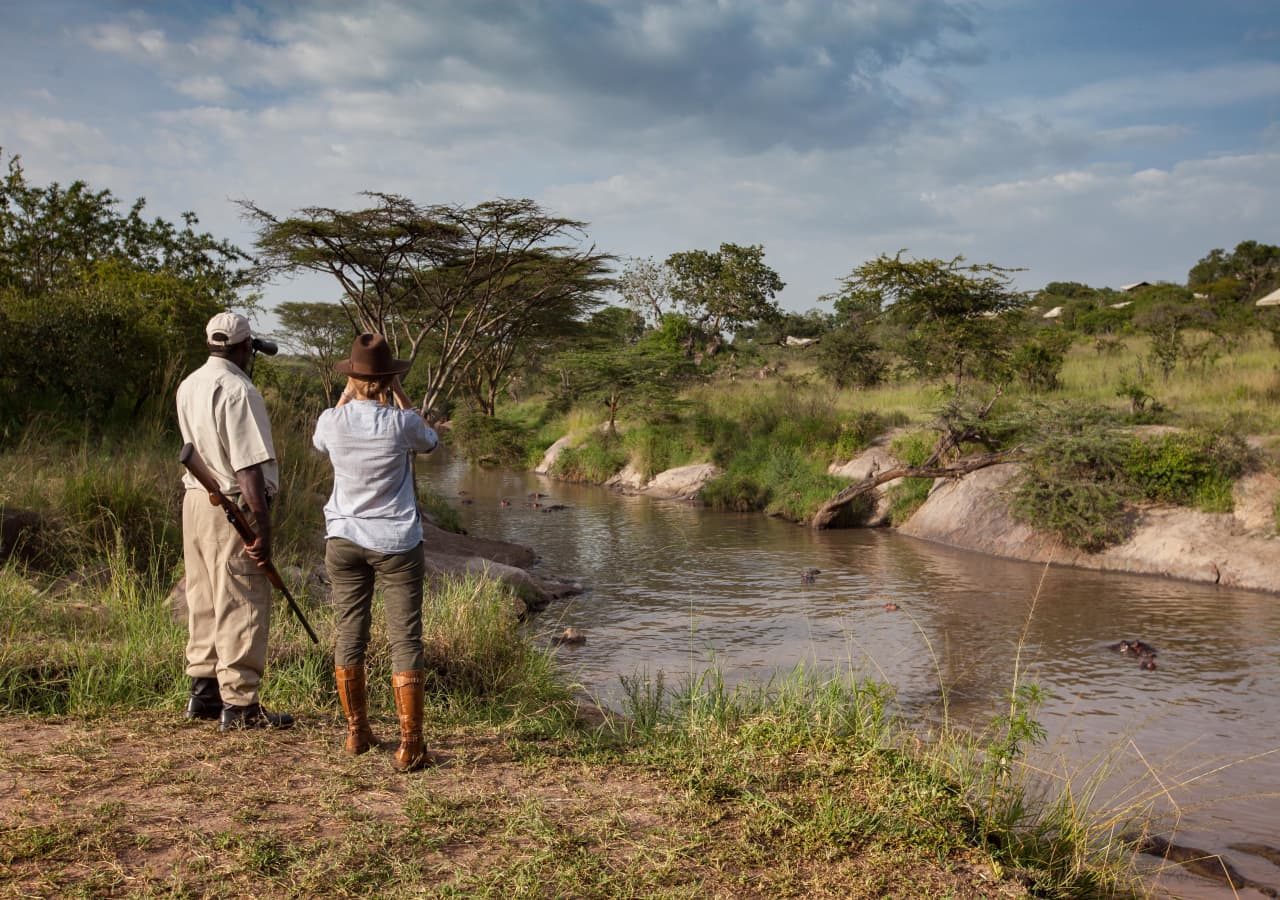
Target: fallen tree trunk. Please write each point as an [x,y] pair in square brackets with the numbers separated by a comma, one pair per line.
[829,510]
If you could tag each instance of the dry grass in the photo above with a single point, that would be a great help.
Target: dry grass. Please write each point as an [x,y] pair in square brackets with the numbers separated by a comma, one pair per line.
[146,804]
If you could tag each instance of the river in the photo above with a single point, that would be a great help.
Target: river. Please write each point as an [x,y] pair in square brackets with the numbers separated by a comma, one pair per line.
[672,587]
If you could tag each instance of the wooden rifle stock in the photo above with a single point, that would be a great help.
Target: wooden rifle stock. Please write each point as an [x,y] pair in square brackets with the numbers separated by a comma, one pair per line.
[196,466]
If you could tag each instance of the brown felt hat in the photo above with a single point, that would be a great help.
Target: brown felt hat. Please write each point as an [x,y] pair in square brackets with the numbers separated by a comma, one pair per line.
[371,358]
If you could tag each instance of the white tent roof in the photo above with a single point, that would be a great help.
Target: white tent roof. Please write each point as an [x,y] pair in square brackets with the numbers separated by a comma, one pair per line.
[1135,285]
[1053,313]
[1122,305]
[1272,299]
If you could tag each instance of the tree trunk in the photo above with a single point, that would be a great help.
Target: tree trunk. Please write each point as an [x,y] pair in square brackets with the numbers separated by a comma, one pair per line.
[829,510]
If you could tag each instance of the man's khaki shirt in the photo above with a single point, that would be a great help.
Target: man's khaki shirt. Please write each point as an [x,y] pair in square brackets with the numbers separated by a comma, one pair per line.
[224,416]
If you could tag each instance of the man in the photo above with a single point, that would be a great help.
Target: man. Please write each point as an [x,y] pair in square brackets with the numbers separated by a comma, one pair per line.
[228,595]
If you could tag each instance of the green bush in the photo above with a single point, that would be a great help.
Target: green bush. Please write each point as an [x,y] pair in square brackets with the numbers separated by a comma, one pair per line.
[1084,514]
[736,491]
[1194,468]
[1073,485]
[1037,363]
[489,440]
[915,447]
[850,357]
[596,461]
[721,434]
[857,434]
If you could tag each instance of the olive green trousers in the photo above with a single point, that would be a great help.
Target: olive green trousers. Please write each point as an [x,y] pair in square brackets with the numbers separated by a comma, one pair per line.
[352,572]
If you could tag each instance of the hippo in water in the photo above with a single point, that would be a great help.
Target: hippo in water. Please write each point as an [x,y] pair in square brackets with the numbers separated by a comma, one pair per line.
[1145,653]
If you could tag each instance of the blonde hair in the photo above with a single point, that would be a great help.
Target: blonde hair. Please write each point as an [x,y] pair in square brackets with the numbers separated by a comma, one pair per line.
[369,388]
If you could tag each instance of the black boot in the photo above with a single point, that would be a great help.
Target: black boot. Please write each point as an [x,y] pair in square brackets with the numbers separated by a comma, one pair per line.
[204,701]
[251,716]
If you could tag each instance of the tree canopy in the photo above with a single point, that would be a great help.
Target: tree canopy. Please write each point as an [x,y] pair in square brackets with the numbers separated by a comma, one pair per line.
[99,306]
[463,292]
[945,319]
[726,289]
[1253,267]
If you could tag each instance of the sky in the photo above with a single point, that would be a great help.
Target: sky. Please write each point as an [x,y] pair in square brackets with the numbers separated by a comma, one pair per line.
[1103,141]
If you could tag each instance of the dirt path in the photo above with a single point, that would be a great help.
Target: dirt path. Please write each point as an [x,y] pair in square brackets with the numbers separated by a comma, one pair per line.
[149,804]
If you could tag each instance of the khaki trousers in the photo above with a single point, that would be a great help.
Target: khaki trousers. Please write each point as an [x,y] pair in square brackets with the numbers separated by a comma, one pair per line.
[228,603]
[351,573]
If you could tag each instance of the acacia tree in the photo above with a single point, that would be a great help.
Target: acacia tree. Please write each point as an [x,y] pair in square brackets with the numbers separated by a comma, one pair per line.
[321,333]
[646,287]
[724,290]
[452,287]
[944,318]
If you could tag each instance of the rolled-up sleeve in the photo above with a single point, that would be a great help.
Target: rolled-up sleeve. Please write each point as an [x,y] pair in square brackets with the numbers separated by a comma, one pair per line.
[420,436]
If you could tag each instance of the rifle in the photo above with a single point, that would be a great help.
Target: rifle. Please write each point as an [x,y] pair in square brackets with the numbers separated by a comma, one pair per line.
[196,466]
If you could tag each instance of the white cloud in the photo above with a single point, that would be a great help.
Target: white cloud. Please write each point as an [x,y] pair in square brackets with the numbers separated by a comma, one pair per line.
[206,88]
[1229,84]
[127,41]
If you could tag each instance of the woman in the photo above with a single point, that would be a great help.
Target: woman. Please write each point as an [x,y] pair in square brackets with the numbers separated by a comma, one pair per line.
[372,531]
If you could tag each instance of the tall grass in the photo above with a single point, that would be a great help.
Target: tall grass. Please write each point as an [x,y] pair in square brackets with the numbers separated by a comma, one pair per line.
[104,645]
[825,764]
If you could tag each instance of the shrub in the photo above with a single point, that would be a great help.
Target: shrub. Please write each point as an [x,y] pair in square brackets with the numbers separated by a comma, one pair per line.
[1037,363]
[489,440]
[1073,486]
[849,357]
[1084,514]
[858,433]
[915,447]
[595,461]
[1187,468]
[736,491]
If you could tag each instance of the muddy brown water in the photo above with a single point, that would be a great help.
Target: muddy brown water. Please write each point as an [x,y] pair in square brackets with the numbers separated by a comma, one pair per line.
[676,588]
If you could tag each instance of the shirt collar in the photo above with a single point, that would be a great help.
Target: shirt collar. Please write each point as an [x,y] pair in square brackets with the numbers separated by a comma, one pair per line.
[226,365]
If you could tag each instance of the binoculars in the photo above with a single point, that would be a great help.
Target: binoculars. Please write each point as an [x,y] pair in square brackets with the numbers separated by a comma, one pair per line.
[271,348]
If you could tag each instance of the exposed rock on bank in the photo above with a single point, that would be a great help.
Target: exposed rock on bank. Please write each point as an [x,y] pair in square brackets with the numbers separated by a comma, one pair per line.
[1234,550]
[680,483]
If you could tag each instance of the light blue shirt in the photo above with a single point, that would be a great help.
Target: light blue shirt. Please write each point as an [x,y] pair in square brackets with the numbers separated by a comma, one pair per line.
[371,447]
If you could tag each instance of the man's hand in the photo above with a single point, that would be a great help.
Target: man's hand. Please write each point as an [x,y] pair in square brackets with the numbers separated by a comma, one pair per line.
[260,550]
[253,490]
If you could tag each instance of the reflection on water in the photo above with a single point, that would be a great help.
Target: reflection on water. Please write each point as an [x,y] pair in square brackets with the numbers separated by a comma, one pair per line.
[671,586]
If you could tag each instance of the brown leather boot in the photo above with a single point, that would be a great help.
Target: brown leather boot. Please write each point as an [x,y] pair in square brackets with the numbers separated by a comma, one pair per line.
[355,704]
[412,752]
